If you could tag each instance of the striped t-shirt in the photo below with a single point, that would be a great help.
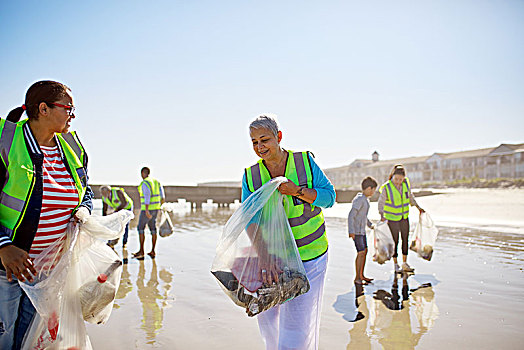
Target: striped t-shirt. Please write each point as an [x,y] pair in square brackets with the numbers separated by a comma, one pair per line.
[59,198]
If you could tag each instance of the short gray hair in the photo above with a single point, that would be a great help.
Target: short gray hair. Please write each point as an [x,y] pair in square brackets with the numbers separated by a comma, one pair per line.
[265,121]
[107,188]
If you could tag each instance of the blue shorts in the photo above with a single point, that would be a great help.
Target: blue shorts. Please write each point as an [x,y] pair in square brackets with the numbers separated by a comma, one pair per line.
[143,221]
[361,242]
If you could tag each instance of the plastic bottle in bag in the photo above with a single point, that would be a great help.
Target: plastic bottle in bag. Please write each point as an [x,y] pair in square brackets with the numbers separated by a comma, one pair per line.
[96,295]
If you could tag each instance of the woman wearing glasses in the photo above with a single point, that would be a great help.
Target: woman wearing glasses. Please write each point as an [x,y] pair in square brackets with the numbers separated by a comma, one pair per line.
[43,183]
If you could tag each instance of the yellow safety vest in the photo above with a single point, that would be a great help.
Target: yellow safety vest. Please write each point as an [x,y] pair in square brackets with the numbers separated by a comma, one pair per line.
[396,207]
[154,189]
[306,220]
[114,202]
[20,181]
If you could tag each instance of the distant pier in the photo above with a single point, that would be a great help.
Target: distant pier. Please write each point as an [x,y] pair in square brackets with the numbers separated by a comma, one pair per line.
[195,195]
[221,195]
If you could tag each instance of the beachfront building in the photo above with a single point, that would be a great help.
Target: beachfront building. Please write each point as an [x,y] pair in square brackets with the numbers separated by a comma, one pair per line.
[504,161]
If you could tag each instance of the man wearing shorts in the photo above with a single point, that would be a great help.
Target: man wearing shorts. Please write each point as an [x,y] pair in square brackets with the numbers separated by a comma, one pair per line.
[151,198]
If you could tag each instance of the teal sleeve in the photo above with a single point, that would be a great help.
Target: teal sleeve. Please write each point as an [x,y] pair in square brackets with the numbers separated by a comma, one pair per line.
[245,190]
[325,191]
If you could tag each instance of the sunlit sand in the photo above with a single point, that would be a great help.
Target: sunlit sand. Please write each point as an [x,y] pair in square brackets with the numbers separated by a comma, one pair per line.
[468,296]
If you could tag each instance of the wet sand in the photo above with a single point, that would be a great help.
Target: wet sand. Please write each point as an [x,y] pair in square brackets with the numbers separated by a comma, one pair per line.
[470,297]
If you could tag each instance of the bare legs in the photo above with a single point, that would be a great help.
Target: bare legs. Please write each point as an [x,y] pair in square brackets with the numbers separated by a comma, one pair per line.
[153,245]
[360,262]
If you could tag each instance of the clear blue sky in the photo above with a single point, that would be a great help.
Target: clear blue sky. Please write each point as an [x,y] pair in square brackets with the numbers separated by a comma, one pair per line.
[174,84]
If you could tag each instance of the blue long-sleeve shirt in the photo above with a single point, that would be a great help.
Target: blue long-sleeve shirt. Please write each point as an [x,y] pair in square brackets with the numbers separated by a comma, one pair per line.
[325,190]
[147,193]
[358,215]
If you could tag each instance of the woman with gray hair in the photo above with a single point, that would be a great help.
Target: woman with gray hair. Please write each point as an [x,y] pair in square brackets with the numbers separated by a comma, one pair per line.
[294,324]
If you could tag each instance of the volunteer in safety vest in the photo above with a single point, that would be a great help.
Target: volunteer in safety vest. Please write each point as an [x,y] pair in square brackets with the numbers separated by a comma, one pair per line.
[294,324]
[393,206]
[151,198]
[43,179]
[117,199]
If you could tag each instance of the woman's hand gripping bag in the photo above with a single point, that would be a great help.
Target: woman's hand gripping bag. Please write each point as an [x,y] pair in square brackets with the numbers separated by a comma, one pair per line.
[425,237]
[64,269]
[48,292]
[257,240]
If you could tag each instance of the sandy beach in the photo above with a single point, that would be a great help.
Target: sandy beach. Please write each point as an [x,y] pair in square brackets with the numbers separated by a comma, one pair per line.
[468,297]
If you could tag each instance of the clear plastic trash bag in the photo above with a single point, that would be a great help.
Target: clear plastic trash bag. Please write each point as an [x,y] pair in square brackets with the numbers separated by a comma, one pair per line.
[165,225]
[107,227]
[425,237]
[63,269]
[99,277]
[257,241]
[383,246]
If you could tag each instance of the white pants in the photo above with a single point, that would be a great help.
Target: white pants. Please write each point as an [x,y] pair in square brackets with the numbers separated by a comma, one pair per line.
[296,323]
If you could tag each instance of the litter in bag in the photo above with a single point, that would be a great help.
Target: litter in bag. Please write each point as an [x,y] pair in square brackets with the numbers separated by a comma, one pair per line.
[257,242]
[425,237]
[62,270]
[98,289]
[166,225]
[47,292]
[383,246]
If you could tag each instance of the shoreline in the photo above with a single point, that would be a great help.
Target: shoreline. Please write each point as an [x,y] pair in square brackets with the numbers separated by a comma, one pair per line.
[476,277]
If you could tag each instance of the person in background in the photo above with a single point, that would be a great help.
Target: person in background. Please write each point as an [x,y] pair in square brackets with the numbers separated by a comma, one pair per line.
[151,198]
[357,221]
[294,324]
[117,199]
[393,206]
[43,174]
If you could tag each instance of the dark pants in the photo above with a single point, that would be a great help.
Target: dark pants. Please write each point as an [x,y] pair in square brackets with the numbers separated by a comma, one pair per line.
[124,239]
[401,226]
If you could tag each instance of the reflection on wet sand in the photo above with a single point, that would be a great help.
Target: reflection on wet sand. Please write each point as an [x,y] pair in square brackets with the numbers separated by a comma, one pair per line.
[198,219]
[125,282]
[358,335]
[149,295]
[386,317]
[393,329]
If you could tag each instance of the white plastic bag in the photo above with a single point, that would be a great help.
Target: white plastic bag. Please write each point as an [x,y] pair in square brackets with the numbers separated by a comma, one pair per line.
[99,271]
[257,241]
[62,269]
[165,227]
[47,291]
[425,237]
[383,246]
[107,227]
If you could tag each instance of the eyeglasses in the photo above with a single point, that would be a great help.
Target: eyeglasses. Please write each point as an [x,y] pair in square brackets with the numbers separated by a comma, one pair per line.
[70,109]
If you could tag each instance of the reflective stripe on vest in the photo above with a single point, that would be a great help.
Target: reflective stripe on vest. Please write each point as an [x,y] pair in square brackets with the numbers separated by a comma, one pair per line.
[306,220]
[396,206]
[154,190]
[72,141]
[20,173]
[6,140]
[114,202]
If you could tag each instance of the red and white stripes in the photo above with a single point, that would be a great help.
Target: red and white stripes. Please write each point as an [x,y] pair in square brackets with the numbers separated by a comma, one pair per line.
[60,197]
